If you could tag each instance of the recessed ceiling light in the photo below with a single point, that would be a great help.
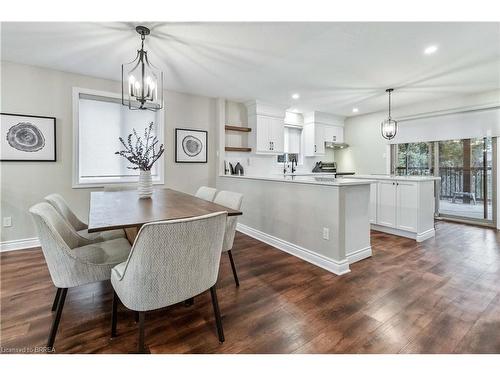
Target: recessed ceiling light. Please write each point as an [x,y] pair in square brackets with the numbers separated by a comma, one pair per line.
[355,110]
[430,50]
[295,96]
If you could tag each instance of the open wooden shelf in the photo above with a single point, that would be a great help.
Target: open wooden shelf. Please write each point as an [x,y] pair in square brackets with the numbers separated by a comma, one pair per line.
[238,128]
[240,149]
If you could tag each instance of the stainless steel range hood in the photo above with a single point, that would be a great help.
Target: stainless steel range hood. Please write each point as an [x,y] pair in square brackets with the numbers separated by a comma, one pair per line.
[336,145]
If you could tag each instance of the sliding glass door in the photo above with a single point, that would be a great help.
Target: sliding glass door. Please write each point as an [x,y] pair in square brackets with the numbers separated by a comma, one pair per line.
[466,171]
[466,167]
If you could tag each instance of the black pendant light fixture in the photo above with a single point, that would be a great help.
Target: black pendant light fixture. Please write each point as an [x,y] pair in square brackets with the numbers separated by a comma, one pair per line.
[389,127]
[142,83]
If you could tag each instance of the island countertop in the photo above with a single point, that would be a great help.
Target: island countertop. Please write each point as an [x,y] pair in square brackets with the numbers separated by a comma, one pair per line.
[305,179]
[369,176]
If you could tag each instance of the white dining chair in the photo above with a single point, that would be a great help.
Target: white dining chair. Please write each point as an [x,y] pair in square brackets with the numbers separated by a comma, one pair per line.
[60,204]
[170,262]
[70,261]
[231,200]
[206,193]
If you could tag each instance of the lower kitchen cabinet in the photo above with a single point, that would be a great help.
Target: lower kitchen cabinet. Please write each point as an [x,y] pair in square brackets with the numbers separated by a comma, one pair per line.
[402,207]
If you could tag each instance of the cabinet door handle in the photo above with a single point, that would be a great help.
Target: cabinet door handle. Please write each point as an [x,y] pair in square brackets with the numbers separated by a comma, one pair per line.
[272,145]
[314,148]
[334,138]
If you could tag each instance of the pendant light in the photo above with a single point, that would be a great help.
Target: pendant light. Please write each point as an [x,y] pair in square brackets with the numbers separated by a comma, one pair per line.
[389,127]
[142,83]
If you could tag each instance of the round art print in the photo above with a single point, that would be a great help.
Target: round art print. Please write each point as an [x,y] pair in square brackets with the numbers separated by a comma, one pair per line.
[25,137]
[192,146]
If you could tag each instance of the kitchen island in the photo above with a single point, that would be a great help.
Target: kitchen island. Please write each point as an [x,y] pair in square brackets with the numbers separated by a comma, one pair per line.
[402,205]
[322,220]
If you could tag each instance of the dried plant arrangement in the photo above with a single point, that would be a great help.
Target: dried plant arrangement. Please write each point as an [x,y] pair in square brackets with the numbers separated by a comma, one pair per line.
[141,152]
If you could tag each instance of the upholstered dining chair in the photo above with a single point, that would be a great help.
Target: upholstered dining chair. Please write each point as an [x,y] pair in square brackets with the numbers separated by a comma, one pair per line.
[206,193]
[170,262]
[231,200]
[70,261]
[60,204]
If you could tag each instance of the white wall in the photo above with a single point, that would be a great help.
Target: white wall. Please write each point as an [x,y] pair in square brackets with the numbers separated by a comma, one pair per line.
[38,91]
[367,149]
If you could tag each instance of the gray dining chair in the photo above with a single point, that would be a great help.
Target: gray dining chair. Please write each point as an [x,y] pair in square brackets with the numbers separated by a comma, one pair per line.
[60,204]
[206,193]
[231,200]
[170,262]
[71,261]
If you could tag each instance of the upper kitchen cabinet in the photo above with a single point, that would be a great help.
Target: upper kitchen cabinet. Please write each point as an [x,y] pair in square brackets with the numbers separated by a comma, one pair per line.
[334,134]
[320,127]
[269,125]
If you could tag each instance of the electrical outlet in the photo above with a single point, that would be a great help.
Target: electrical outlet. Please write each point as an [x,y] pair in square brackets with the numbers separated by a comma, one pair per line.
[7,221]
[326,233]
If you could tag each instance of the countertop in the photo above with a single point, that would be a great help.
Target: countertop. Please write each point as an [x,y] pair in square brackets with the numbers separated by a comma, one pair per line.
[394,178]
[372,176]
[313,179]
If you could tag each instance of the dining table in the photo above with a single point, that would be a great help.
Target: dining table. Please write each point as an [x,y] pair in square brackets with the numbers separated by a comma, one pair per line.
[125,210]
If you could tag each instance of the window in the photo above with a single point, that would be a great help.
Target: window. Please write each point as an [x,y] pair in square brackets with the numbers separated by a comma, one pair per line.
[292,139]
[99,119]
[414,158]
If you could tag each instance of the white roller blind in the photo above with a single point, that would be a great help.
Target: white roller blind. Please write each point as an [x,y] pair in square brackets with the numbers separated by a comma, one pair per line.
[473,124]
[101,121]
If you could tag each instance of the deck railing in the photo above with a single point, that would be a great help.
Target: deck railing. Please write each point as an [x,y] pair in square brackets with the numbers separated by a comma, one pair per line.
[452,179]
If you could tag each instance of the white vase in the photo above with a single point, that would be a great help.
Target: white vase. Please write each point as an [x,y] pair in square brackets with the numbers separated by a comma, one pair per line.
[145,185]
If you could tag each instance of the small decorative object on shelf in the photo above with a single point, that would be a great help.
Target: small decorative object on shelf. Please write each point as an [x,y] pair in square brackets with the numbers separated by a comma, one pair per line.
[143,154]
[238,169]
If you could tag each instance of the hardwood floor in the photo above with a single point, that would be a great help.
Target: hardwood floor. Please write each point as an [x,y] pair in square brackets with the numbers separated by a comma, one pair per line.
[439,296]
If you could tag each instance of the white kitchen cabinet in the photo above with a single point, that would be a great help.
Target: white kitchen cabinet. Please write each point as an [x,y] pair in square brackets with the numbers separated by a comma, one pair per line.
[403,206]
[314,139]
[398,205]
[270,135]
[386,204]
[406,206]
[334,134]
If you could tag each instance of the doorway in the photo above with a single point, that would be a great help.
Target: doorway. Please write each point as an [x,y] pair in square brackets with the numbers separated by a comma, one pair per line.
[467,167]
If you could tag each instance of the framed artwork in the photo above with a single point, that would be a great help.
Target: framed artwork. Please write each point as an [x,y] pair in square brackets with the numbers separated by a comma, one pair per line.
[191,146]
[27,138]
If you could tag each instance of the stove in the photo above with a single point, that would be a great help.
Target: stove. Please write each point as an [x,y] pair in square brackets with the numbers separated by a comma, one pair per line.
[329,167]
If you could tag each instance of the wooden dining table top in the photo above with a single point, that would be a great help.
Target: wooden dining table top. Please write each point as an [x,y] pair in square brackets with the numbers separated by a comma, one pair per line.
[124,209]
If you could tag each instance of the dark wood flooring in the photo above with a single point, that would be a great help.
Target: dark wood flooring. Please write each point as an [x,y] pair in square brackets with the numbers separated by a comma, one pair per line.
[439,296]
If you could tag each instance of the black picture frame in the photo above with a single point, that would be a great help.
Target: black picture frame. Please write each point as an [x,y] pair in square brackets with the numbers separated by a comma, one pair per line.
[54,159]
[176,146]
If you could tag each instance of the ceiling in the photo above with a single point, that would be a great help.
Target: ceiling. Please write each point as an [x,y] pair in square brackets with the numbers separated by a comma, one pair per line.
[333,66]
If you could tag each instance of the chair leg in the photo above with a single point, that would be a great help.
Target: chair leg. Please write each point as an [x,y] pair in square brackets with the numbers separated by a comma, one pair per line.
[218,319]
[57,318]
[233,268]
[56,299]
[114,314]
[140,347]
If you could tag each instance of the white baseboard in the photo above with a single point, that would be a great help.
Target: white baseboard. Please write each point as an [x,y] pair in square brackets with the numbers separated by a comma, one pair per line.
[338,268]
[22,244]
[419,237]
[360,254]
[425,235]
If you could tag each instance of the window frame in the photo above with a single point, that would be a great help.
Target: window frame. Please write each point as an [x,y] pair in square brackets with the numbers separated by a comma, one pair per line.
[99,183]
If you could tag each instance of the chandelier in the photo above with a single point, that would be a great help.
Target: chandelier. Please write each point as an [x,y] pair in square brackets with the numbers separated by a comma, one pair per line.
[389,127]
[142,83]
